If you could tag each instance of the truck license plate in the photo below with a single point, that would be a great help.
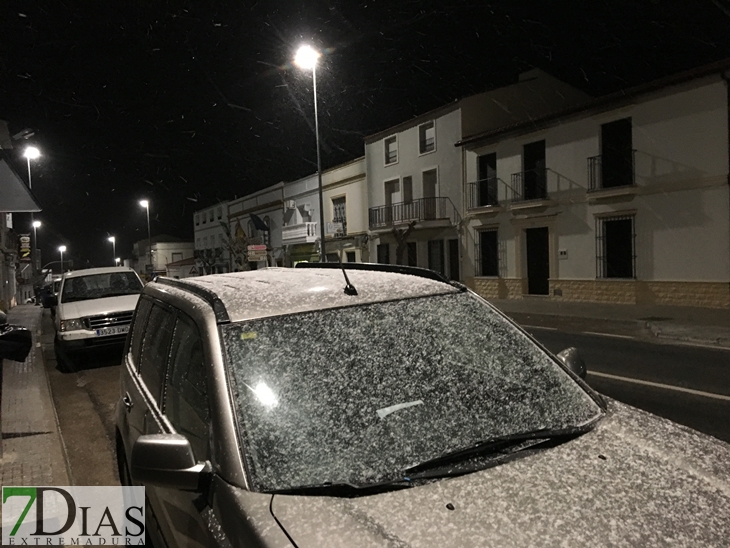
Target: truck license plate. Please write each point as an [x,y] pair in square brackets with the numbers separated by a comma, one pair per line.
[119,330]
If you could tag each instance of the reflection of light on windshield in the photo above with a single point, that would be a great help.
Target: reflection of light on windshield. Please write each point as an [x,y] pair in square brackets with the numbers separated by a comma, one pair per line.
[265,395]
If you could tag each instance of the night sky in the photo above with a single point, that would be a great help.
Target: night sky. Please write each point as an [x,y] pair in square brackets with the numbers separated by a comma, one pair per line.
[188,103]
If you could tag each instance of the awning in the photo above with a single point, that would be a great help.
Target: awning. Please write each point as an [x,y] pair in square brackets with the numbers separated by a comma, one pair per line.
[15,197]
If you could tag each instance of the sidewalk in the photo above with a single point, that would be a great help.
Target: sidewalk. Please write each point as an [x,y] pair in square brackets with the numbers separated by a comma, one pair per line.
[33,453]
[705,326]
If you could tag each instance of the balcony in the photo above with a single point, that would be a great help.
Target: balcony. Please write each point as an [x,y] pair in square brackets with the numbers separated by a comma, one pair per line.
[434,211]
[304,233]
[483,193]
[611,176]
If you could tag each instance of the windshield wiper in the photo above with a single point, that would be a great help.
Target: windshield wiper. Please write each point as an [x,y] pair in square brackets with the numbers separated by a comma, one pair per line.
[347,490]
[499,446]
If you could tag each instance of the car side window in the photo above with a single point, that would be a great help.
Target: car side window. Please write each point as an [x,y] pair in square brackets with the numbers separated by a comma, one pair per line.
[155,348]
[186,394]
[141,315]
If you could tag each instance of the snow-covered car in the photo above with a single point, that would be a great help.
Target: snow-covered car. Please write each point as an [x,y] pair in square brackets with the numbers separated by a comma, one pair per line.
[94,309]
[373,405]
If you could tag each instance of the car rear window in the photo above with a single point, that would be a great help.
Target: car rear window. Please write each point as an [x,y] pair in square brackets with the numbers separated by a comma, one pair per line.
[358,394]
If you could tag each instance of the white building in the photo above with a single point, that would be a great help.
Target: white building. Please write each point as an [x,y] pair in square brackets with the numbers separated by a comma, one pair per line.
[344,196]
[211,251]
[415,172]
[266,205]
[624,199]
[165,249]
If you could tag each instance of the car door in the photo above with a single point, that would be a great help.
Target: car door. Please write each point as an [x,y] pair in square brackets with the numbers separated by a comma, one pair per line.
[186,408]
[146,395]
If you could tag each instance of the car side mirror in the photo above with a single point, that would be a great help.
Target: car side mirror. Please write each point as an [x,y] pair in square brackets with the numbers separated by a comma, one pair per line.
[15,341]
[167,460]
[574,361]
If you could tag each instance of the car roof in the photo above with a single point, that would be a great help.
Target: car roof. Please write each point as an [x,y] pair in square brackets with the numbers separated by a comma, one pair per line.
[276,291]
[101,270]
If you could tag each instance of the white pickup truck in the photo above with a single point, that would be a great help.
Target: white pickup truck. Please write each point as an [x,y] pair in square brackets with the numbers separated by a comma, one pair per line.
[94,309]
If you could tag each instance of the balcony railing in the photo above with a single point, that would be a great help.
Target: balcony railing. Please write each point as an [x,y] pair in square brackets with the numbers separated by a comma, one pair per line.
[303,233]
[529,185]
[422,209]
[611,174]
[483,193]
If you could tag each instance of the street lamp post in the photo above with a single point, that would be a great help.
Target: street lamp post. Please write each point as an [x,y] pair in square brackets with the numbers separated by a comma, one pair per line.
[306,58]
[36,226]
[61,249]
[113,240]
[32,153]
[146,204]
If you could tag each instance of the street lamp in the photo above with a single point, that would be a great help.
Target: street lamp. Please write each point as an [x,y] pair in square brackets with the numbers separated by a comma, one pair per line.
[306,58]
[146,204]
[32,153]
[61,249]
[36,226]
[113,240]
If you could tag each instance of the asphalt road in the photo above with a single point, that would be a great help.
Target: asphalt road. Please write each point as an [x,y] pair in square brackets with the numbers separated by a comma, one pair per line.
[687,384]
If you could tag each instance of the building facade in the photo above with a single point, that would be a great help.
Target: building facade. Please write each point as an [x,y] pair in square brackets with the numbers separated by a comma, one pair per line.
[209,232]
[622,200]
[257,220]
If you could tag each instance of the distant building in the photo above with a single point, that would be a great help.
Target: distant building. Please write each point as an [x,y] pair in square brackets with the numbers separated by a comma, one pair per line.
[165,249]
[211,252]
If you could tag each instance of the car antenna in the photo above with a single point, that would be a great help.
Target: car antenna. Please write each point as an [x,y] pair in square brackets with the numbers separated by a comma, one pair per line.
[349,288]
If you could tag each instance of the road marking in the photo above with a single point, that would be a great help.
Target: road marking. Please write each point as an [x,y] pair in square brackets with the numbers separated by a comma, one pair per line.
[540,327]
[607,335]
[660,385]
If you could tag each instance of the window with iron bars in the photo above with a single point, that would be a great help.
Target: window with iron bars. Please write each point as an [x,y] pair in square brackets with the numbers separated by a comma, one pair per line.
[426,137]
[391,150]
[616,247]
[487,253]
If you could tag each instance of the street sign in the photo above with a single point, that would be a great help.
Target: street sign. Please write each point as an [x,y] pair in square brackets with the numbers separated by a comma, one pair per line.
[257,248]
[256,255]
[24,248]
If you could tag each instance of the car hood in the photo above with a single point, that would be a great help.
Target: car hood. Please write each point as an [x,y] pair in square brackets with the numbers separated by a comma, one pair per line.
[97,307]
[634,480]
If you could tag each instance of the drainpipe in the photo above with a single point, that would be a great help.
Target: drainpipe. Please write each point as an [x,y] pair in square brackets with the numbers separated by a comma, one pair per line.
[726,77]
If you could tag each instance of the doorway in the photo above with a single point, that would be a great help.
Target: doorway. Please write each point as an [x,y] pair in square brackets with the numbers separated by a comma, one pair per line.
[535,177]
[538,261]
[487,173]
[430,180]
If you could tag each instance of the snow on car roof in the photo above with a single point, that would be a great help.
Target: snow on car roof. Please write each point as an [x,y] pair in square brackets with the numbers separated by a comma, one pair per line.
[275,291]
[100,270]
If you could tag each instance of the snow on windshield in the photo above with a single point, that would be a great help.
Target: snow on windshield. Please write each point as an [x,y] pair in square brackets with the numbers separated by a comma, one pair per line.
[359,394]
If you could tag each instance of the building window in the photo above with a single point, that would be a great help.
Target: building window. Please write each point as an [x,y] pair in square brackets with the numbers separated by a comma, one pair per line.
[384,253]
[220,213]
[197,219]
[210,215]
[487,253]
[412,252]
[391,150]
[426,138]
[339,210]
[351,257]
[615,247]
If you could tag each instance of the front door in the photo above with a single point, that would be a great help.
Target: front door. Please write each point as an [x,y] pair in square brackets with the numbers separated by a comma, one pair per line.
[538,261]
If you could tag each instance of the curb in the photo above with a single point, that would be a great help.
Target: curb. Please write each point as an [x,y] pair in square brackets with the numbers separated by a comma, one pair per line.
[64,450]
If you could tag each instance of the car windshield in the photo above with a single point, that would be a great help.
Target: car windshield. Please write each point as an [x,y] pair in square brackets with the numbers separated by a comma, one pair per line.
[97,286]
[359,394]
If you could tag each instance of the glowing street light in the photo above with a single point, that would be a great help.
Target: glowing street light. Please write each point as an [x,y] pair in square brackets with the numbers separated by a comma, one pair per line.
[146,204]
[306,58]
[32,153]
[61,249]
[113,240]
